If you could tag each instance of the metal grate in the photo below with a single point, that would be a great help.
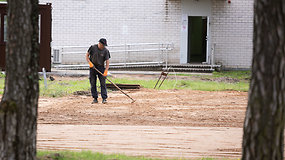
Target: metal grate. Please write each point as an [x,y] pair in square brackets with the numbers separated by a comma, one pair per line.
[56,56]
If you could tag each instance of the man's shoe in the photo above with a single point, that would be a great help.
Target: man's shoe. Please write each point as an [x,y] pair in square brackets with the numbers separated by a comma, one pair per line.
[95,101]
[104,101]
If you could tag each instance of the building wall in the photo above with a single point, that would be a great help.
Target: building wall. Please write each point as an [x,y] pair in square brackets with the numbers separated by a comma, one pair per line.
[83,22]
[230,29]
[232,32]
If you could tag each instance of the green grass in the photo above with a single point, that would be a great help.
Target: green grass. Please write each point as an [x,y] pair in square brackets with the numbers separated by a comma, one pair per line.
[193,85]
[62,88]
[85,155]
[88,155]
[2,80]
[67,87]
[240,75]
[2,75]
[57,88]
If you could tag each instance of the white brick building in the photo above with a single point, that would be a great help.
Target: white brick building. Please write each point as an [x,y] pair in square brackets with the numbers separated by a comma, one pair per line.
[185,23]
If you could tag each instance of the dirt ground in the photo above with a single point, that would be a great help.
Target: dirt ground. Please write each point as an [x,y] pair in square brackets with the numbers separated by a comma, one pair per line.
[161,123]
[152,107]
[149,141]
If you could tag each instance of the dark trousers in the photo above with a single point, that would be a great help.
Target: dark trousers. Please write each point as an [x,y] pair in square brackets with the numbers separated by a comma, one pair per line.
[93,81]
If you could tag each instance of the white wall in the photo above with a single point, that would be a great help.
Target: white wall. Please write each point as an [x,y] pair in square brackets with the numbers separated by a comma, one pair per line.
[232,32]
[83,22]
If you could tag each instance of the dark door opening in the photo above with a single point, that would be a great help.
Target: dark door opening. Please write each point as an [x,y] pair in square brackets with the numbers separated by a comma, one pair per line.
[197,39]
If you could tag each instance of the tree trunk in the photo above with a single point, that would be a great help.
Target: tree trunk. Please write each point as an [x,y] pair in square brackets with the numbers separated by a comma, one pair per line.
[18,108]
[264,122]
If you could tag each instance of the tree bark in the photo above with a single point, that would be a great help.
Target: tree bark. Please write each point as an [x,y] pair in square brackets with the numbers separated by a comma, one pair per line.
[18,108]
[264,123]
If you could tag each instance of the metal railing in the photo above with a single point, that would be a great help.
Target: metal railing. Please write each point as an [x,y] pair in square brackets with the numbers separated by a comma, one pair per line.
[123,54]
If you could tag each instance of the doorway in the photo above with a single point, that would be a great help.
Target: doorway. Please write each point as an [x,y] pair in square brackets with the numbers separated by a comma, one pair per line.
[197,39]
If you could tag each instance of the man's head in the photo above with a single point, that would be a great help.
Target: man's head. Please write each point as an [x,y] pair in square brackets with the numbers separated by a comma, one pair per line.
[102,43]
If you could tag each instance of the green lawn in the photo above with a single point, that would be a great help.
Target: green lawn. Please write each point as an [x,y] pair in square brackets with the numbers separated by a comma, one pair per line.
[1,83]
[2,75]
[203,83]
[187,84]
[240,75]
[57,88]
[87,155]
[62,88]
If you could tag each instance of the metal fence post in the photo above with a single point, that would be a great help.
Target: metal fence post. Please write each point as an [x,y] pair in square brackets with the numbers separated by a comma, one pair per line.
[45,77]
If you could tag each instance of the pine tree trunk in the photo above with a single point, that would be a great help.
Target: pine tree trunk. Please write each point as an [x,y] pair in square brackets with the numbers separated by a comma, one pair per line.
[18,108]
[264,122]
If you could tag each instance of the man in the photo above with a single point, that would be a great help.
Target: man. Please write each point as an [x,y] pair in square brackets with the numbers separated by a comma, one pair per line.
[97,55]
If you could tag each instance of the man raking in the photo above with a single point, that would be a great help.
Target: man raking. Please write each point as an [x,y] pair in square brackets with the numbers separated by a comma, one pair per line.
[97,54]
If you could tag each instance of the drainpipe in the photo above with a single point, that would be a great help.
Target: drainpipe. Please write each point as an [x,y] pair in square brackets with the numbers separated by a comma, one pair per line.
[212,55]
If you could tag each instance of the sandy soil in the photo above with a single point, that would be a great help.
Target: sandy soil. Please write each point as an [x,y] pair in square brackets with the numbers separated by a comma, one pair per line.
[149,141]
[161,123]
[152,107]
